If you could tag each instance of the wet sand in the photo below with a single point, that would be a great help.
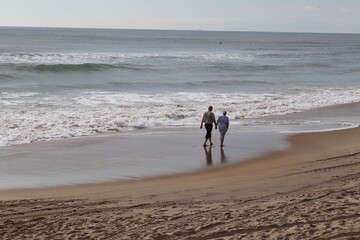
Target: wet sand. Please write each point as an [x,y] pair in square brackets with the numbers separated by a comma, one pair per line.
[309,191]
[124,156]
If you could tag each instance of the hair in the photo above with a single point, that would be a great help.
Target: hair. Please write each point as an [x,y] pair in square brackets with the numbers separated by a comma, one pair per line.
[224,112]
[210,108]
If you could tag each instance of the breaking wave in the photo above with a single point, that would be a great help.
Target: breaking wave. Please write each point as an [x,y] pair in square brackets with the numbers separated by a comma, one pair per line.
[66,67]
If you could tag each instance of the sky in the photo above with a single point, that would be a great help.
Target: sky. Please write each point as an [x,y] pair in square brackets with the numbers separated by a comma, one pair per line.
[333,16]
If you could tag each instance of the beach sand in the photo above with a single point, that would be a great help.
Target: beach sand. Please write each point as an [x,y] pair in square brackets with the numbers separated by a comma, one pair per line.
[309,191]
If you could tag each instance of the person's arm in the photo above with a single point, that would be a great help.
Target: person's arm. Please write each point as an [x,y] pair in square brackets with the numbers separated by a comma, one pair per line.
[202,121]
[215,122]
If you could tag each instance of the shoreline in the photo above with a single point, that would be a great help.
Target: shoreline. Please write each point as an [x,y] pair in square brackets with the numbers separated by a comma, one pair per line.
[155,152]
[309,190]
[259,164]
[126,156]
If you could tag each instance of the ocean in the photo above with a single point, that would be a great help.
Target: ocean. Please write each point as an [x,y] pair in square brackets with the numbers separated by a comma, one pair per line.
[64,83]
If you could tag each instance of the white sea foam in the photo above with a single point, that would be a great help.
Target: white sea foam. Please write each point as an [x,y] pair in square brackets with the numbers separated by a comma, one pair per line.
[58,58]
[116,58]
[29,117]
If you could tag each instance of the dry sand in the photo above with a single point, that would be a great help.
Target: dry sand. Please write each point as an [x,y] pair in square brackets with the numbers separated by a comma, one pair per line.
[310,191]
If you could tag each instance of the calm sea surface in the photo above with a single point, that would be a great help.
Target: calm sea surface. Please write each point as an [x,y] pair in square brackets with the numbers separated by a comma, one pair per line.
[62,83]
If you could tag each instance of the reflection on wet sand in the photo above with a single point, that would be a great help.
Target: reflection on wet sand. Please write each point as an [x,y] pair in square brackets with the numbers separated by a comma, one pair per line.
[222,155]
[208,155]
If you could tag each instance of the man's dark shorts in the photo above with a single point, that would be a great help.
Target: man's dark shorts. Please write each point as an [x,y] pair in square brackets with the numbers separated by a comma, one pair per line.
[208,127]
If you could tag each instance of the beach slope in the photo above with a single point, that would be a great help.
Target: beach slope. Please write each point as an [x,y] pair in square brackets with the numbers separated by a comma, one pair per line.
[310,191]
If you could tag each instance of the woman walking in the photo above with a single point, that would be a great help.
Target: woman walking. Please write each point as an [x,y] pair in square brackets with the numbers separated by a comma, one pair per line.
[223,124]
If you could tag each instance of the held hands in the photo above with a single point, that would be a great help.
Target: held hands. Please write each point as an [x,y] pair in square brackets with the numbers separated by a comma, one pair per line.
[201,126]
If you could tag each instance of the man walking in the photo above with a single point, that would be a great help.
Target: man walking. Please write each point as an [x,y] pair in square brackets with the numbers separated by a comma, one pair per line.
[209,120]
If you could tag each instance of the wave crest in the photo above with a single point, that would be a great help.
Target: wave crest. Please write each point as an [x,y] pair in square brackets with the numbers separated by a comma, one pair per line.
[66,67]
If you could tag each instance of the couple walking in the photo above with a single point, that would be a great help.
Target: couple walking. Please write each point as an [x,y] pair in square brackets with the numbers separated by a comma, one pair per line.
[222,123]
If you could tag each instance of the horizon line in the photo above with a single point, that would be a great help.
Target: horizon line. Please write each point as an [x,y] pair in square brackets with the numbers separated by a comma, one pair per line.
[165,29]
